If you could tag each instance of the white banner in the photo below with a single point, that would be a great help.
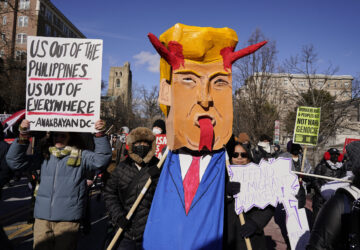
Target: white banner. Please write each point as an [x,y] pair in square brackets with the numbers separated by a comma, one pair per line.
[270,183]
[63,83]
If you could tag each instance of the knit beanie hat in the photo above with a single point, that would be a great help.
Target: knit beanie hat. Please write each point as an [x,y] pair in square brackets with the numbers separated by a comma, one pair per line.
[243,137]
[161,124]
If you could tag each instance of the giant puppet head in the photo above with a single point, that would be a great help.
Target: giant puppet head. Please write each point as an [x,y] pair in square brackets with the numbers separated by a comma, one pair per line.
[196,84]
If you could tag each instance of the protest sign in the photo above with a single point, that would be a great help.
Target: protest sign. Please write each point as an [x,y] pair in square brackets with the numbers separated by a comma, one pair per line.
[307,126]
[160,145]
[3,117]
[63,83]
[270,183]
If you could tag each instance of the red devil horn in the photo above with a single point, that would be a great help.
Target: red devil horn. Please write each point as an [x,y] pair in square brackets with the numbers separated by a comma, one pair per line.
[169,55]
[229,57]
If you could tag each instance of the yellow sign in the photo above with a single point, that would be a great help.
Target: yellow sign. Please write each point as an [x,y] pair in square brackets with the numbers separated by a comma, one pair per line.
[307,126]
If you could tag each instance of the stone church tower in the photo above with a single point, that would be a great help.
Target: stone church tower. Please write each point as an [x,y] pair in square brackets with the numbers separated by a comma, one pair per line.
[120,83]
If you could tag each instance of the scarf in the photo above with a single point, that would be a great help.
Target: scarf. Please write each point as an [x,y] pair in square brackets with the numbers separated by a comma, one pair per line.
[334,166]
[74,158]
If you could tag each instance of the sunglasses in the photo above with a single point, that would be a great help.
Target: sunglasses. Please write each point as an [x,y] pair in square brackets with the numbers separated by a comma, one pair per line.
[243,155]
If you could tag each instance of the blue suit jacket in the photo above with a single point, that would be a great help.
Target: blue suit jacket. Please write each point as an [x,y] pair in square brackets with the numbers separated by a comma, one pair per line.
[168,226]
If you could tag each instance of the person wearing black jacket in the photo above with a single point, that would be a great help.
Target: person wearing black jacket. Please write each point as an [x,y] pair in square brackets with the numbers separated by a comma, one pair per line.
[337,224]
[331,165]
[255,219]
[126,183]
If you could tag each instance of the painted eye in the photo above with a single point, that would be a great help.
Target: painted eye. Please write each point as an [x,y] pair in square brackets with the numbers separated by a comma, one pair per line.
[220,82]
[188,80]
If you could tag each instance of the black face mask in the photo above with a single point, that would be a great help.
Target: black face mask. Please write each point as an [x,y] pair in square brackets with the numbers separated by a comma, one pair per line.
[141,150]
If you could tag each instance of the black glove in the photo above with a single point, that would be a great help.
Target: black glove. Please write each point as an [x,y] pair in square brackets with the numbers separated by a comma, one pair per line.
[248,229]
[301,196]
[122,222]
[154,171]
[232,188]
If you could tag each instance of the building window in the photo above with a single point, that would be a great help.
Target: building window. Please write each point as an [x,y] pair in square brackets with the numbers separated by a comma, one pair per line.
[4,20]
[334,84]
[21,38]
[20,55]
[23,21]
[42,9]
[3,36]
[24,4]
[286,81]
[2,53]
[302,84]
[5,3]
[346,84]
[47,30]
[118,83]
[48,15]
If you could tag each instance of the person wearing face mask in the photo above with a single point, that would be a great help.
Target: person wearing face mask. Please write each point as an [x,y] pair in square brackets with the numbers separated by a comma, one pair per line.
[126,183]
[263,149]
[331,165]
[338,222]
[294,152]
[63,160]
[159,127]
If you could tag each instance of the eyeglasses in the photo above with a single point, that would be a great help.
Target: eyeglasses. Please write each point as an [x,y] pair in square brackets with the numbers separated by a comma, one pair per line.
[243,155]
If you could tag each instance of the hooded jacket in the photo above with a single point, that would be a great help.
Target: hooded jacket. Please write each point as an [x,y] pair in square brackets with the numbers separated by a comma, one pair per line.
[126,183]
[61,193]
[332,226]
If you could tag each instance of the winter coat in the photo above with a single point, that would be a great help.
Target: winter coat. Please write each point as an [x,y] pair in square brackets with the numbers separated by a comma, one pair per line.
[126,183]
[62,188]
[331,228]
[119,198]
[4,169]
[323,169]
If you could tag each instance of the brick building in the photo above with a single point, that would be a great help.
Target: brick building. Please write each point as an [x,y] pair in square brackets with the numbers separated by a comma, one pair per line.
[22,18]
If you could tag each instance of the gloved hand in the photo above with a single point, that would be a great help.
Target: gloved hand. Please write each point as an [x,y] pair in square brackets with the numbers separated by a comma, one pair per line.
[122,222]
[301,196]
[232,188]
[154,171]
[248,229]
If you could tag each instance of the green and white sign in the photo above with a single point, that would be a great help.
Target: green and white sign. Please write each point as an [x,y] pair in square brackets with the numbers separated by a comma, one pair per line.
[307,126]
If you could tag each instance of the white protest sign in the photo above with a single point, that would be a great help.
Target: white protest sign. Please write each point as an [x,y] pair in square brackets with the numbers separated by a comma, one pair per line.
[270,183]
[63,83]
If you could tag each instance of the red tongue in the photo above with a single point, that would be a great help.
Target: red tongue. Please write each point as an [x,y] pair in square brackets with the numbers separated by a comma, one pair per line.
[206,133]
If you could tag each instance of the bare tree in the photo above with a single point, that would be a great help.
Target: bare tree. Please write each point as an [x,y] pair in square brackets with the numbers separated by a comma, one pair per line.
[313,90]
[149,104]
[255,97]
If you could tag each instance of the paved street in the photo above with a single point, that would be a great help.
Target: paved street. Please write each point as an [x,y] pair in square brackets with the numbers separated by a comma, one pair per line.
[15,211]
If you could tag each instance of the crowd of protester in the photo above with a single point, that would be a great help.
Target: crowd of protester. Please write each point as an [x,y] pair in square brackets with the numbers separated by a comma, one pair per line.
[68,165]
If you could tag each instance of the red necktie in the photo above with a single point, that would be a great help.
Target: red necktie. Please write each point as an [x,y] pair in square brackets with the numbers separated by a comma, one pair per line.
[191,182]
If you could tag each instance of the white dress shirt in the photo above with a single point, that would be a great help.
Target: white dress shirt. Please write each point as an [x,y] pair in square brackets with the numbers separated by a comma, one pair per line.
[185,162]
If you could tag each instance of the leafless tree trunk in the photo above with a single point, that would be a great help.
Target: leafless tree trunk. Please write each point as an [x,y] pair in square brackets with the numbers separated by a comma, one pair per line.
[255,97]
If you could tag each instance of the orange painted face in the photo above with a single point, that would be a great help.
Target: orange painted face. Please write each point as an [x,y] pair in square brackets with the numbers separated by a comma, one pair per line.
[198,91]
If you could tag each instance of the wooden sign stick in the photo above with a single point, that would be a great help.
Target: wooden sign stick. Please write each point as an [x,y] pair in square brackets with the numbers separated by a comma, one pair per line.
[303,162]
[136,203]
[241,215]
[322,177]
